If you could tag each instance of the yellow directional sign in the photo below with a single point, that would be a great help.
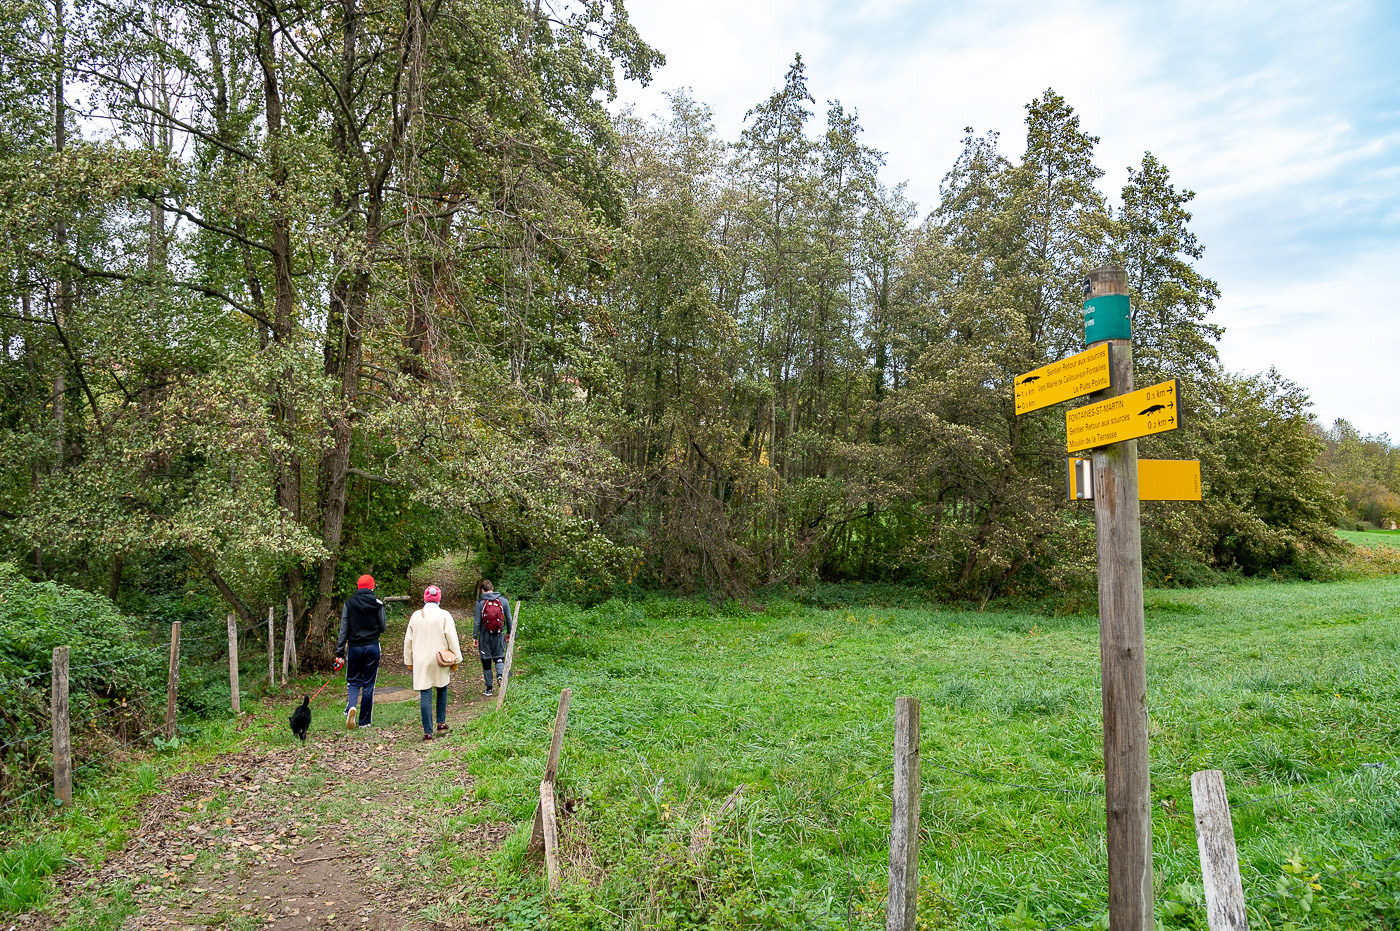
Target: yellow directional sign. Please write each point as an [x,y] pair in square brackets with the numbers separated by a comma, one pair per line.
[1126,417]
[1158,479]
[1080,374]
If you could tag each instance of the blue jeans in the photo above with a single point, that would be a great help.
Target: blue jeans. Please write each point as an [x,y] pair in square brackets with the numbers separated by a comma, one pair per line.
[361,669]
[425,707]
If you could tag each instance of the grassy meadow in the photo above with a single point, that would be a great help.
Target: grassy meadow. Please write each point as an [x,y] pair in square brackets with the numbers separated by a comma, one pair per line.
[1292,689]
[1371,537]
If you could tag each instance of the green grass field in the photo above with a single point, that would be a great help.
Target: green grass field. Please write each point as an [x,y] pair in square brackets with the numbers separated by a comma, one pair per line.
[1292,689]
[1371,537]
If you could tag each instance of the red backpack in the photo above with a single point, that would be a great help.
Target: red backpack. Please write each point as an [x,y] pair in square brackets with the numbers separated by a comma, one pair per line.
[493,617]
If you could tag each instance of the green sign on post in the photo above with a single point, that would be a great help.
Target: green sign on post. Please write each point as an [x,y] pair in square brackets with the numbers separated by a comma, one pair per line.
[1106,317]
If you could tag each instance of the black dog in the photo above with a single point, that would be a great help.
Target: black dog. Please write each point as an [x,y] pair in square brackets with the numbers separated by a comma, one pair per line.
[301,718]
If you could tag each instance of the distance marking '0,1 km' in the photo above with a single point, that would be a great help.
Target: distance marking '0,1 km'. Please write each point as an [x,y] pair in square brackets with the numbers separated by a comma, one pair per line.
[1139,413]
[1082,373]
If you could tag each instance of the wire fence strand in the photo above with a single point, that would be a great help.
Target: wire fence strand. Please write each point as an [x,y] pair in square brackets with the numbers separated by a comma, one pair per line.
[1048,790]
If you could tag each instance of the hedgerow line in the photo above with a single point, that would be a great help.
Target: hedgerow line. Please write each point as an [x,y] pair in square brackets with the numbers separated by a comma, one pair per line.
[158,648]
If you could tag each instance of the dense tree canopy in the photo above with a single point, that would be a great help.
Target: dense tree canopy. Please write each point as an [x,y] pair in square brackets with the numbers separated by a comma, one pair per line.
[289,290]
[1367,472]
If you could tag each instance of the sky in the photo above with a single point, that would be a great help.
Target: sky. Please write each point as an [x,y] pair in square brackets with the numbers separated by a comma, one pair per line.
[1283,117]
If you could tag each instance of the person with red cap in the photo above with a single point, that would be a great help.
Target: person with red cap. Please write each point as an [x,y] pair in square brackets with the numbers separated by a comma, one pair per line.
[362,620]
[431,652]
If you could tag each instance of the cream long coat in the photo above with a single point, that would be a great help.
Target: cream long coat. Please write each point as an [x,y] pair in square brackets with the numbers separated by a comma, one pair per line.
[429,630]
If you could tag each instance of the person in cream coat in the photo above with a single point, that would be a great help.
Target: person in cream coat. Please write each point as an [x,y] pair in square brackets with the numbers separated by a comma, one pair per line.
[431,633]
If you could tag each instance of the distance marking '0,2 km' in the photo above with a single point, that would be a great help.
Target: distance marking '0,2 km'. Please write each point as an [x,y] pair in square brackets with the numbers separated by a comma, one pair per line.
[1144,412]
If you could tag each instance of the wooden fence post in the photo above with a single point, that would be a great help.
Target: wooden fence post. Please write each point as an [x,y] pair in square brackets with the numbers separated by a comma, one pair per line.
[289,650]
[172,681]
[233,664]
[556,742]
[58,712]
[550,834]
[551,767]
[1215,841]
[271,651]
[901,909]
[510,654]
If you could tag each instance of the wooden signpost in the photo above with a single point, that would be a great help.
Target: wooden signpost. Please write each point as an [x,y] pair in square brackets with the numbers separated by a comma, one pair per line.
[1110,427]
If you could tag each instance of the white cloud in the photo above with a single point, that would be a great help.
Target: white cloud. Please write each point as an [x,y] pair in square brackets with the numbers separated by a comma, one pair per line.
[1281,116]
[1337,334]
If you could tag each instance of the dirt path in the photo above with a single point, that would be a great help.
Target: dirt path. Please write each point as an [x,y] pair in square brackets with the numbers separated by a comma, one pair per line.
[353,831]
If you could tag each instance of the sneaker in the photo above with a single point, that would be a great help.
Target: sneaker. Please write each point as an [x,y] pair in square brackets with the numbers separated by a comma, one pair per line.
[427,738]
[370,724]
[352,716]
[442,728]
[488,693]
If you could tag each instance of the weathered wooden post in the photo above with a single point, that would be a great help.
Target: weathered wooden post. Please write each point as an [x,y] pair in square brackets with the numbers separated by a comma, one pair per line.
[1110,427]
[510,655]
[289,650]
[551,768]
[271,651]
[556,741]
[1122,637]
[901,909]
[172,680]
[233,664]
[58,714]
[550,834]
[1215,841]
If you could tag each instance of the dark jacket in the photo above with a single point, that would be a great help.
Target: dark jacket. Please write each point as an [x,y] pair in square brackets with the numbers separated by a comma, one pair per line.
[361,620]
[492,646]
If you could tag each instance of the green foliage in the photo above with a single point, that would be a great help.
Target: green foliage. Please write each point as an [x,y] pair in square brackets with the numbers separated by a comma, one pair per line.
[427,293]
[23,869]
[115,672]
[1268,506]
[1367,472]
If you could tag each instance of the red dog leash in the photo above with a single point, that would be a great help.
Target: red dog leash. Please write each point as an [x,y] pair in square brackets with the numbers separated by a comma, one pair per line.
[327,682]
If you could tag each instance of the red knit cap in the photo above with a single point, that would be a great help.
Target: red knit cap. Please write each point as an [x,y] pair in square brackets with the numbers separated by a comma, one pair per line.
[366,581]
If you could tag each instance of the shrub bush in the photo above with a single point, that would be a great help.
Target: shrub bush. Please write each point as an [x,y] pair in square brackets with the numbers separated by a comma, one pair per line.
[115,670]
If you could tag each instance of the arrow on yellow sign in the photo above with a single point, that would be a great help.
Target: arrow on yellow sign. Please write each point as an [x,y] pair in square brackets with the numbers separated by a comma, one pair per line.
[1138,413]
[1082,373]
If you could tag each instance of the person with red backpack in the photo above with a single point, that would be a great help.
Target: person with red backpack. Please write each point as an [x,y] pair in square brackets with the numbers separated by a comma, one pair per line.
[493,626]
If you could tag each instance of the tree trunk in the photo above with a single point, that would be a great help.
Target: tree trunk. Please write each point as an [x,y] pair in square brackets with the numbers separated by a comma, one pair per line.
[60,232]
[287,468]
[334,471]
